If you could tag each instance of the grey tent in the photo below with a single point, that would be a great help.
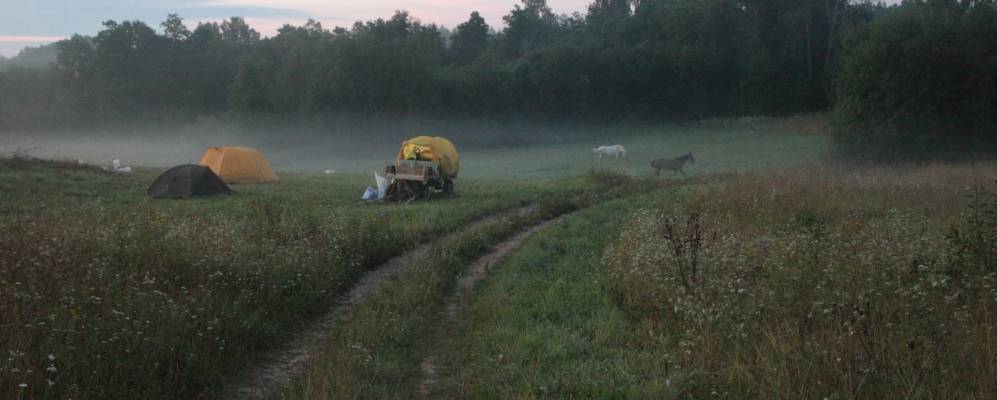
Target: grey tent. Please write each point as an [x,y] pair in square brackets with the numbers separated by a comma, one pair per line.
[186,181]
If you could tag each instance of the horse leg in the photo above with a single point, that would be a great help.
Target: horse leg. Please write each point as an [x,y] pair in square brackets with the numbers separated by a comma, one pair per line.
[683,172]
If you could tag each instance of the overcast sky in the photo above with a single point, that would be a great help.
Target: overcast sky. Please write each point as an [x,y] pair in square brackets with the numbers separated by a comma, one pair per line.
[34,22]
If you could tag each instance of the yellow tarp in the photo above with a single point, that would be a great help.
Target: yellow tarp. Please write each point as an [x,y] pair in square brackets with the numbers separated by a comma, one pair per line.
[436,149]
[238,164]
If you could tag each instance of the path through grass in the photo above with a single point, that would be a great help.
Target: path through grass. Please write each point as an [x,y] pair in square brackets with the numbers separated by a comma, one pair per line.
[542,326]
[805,282]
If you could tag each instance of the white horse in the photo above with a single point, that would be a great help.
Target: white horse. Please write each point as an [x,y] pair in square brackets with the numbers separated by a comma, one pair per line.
[616,151]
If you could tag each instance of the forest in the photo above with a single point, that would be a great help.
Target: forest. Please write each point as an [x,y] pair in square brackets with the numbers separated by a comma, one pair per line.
[913,80]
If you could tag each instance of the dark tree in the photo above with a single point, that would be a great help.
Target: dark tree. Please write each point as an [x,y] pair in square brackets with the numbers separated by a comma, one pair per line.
[249,90]
[174,29]
[469,40]
[236,31]
[528,27]
[920,82]
[912,78]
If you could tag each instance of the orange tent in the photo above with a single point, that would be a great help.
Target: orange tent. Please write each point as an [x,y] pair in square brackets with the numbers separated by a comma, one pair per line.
[238,164]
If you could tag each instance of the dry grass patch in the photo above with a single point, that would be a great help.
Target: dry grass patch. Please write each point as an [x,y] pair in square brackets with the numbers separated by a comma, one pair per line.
[821,282]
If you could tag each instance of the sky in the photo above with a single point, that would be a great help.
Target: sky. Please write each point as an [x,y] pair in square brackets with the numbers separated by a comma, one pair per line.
[35,22]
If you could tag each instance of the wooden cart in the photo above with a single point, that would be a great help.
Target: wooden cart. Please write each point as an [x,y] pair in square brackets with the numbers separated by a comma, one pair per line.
[411,179]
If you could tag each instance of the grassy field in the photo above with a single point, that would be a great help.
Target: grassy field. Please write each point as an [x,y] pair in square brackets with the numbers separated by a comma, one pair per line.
[504,152]
[821,282]
[542,326]
[717,148]
[108,294]
[780,276]
[804,282]
[376,350]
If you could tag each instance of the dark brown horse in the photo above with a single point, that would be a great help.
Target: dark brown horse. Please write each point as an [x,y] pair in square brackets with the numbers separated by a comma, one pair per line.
[672,164]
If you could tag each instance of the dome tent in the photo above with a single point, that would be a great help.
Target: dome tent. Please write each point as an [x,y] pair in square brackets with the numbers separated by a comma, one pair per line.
[236,164]
[187,180]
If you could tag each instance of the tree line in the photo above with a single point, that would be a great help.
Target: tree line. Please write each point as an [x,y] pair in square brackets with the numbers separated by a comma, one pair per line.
[629,60]
[921,82]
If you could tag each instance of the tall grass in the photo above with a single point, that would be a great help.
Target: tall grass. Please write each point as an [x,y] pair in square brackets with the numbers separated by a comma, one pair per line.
[104,294]
[820,282]
[142,303]
[376,349]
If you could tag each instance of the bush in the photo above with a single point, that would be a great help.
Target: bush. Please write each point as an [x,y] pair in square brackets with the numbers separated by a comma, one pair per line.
[919,83]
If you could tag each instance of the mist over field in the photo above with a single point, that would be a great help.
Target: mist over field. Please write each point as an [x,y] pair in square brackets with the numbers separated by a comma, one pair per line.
[351,146]
[892,90]
[511,151]
[653,199]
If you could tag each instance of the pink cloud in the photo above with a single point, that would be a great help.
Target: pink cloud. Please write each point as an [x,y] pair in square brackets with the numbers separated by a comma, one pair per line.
[344,12]
[30,39]
[332,13]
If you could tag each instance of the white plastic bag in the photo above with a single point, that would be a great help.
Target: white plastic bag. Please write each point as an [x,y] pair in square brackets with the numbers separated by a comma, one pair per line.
[369,194]
[382,185]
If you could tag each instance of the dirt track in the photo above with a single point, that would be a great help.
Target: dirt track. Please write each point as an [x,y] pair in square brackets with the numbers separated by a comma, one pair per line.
[474,274]
[277,369]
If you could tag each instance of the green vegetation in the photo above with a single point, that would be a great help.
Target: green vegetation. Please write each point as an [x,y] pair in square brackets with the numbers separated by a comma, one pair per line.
[220,279]
[920,83]
[543,326]
[908,81]
[495,151]
[756,277]
[375,350]
[719,146]
[819,282]
[649,60]
[224,279]
[803,282]
[38,58]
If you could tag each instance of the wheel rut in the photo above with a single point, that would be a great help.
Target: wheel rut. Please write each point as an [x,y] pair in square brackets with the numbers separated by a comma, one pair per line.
[475,273]
[278,368]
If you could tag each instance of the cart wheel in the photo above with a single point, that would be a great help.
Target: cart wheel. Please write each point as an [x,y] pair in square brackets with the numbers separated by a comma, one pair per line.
[448,187]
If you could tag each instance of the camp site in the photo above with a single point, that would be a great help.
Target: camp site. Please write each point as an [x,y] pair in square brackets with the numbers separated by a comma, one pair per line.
[515,199]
